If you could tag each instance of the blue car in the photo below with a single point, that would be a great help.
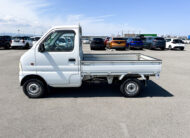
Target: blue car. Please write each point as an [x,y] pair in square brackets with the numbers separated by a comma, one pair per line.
[135,43]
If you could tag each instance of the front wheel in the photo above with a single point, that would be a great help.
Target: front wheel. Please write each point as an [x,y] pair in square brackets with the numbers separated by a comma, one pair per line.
[131,87]
[34,88]
[163,48]
[7,46]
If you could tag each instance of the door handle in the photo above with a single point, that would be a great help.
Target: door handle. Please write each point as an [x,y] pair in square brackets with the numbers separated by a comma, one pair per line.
[72,60]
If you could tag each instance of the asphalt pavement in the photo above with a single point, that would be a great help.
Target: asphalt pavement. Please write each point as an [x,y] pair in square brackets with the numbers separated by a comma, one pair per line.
[99,110]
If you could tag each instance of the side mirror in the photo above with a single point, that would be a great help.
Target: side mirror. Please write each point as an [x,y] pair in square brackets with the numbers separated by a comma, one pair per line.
[42,47]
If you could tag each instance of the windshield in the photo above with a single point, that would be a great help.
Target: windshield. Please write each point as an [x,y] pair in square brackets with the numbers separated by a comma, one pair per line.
[8,38]
[168,40]
[97,39]
[136,39]
[35,38]
[17,38]
[159,38]
[26,38]
[118,39]
[177,41]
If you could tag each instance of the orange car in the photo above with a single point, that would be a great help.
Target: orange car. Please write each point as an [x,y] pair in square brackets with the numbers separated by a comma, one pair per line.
[116,43]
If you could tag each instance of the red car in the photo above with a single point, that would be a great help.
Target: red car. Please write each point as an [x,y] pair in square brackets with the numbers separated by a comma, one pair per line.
[106,40]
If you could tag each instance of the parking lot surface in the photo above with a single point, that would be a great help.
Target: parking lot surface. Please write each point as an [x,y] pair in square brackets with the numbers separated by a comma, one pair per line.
[99,110]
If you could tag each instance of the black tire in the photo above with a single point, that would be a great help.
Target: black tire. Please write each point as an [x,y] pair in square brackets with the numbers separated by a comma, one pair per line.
[131,87]
[170,47]
[34,88]
[163,48]
[182,48]
[7,46]
[151,48]
[123,48]
[27,46]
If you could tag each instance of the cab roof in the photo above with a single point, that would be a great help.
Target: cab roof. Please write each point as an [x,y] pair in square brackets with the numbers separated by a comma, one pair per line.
[67,27]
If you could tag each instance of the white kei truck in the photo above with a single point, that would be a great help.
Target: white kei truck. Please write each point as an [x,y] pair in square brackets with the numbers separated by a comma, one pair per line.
[57,60]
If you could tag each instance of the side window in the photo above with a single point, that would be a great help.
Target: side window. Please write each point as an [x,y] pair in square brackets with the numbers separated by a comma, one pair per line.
[60,41]
[168,40]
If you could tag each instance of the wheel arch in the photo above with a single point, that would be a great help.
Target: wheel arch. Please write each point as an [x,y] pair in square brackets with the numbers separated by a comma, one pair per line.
[129,76]
[32,77]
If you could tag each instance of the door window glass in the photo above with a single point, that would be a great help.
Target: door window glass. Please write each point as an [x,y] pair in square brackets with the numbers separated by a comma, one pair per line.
[62,41]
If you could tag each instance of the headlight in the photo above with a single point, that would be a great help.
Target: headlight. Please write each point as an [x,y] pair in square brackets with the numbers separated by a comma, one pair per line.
[20,66]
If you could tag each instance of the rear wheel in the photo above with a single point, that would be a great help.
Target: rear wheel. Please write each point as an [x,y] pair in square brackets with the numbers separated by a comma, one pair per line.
[27,46]
[150,47]
[130,47]
[34,88]
[92,48]
[163,48]
[124,48]
[182,48]
[7,46]
[170,47]
[131,87]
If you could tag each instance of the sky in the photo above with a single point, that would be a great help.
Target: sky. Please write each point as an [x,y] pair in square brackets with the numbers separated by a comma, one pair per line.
[97,17]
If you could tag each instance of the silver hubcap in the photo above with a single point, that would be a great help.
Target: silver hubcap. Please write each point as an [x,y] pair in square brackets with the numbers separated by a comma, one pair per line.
[131,88]
[33,88]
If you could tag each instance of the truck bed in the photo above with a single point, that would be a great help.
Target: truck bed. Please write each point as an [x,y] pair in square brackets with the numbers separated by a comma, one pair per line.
[118,64]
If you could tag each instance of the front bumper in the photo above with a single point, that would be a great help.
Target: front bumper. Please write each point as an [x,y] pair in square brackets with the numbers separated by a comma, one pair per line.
[98,46]
[18,45]
[118,46]
[178,47]
[158,46]
[137,46]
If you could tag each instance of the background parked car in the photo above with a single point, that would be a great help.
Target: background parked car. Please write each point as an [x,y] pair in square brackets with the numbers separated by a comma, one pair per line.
[155,42]
[35,39]
[116,43]
[86,41]
[97,44]
[175,44]
[5,41]
[186,41]
[135,43]
[23,42]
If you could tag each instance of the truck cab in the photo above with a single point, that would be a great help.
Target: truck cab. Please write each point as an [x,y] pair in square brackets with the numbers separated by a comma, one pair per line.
[57,60]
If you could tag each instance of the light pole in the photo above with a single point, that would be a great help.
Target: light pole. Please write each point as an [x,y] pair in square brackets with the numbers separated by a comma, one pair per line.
[18,31]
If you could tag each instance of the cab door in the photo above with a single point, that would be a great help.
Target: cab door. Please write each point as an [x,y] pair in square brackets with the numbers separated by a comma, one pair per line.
[58,64]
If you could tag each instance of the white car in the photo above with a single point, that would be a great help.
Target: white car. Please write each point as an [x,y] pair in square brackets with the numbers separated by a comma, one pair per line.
[35,39]
[172,43]
[186,41]
[57,60]
[24,42]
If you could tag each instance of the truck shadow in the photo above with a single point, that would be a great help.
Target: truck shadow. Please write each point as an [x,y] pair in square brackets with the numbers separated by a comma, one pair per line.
[90,90]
